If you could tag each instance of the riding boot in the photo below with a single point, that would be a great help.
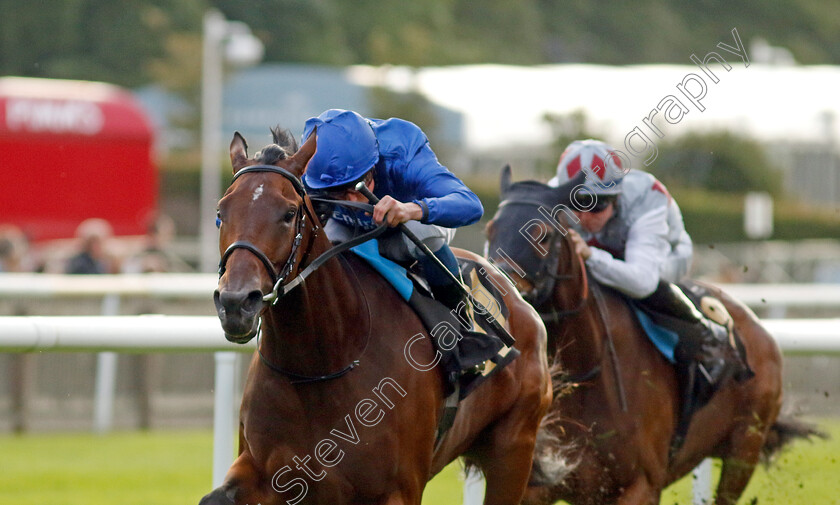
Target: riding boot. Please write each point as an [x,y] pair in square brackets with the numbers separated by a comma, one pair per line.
[701,340]
[444,288]
[450,292]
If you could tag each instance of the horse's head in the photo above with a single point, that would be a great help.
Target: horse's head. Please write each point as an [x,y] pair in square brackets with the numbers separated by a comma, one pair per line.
[527,235]
[262,218]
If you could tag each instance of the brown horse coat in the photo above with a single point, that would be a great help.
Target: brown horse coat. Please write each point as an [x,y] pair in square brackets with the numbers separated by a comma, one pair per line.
[620,456]
[367,435]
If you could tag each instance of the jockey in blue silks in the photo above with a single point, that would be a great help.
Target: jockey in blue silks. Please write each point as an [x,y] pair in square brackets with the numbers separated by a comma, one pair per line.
[394,159]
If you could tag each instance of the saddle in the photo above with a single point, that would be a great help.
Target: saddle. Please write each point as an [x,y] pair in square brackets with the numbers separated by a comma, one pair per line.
[471,351]
[479,352]
[697,386]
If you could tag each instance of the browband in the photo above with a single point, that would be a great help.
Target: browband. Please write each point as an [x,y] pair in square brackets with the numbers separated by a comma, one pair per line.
[277,170]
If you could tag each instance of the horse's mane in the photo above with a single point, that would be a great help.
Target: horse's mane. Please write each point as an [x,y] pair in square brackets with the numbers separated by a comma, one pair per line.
[531,190]
[284,146]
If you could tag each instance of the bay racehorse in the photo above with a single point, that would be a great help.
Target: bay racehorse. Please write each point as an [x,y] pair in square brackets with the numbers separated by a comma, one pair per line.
[619,411]
[335,410]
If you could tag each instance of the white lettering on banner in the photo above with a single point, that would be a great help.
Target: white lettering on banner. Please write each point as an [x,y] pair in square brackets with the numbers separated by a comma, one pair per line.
[56,116]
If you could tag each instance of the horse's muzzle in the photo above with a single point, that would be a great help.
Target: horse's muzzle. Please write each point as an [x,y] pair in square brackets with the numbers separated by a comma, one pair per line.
[239,312]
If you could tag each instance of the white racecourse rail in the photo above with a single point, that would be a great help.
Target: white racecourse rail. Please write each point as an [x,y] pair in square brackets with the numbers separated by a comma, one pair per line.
[201,286]
[203,333]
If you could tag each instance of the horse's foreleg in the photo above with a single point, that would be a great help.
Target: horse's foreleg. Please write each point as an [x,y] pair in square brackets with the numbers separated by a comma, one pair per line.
[403,497]
[640,492]
[507,456]
[507,472]
[734,476]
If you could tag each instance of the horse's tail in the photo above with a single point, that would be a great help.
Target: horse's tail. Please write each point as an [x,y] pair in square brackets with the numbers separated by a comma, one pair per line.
[551,464]
[786,430]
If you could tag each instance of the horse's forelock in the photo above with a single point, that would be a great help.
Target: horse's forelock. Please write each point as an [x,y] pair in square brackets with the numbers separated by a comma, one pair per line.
[270,154]
[533,191]
[284,138]
[284,146]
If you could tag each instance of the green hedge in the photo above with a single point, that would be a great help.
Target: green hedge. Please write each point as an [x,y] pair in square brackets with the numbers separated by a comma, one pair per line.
[710,217]
[719,217]
[713,217]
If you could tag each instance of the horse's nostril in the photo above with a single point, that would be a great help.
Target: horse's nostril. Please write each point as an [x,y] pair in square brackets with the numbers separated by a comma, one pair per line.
[232,302]
[217,301]
[253,301]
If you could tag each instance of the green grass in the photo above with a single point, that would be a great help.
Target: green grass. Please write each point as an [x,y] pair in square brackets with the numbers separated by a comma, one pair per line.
[173,467]
[805,473]
[124,468]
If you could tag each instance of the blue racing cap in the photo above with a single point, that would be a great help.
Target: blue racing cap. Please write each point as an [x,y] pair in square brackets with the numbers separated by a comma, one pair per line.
[346,149]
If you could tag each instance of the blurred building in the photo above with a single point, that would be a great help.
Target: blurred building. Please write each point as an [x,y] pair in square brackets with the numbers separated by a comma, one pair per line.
[489,114]
[258,98]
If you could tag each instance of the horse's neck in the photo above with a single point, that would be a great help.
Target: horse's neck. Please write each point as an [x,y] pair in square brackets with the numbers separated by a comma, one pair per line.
[322,324]
[581,332]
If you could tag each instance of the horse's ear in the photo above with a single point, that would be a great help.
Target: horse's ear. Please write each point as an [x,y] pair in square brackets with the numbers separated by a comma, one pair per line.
[303,155]
[238,152]
[507,175]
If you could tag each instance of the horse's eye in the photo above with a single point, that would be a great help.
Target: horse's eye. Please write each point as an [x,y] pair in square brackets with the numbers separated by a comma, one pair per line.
[290,215]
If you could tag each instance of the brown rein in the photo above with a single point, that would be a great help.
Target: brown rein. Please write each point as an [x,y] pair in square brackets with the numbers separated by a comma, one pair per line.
[555,316]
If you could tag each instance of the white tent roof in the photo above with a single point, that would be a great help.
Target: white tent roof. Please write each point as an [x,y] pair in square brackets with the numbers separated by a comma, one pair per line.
[504,105]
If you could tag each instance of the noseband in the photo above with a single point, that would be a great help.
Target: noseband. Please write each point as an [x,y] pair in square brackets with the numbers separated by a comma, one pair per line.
[276,278]
[279,288]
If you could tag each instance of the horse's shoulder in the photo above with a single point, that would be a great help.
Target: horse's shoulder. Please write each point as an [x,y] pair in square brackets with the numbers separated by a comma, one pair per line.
[463,253]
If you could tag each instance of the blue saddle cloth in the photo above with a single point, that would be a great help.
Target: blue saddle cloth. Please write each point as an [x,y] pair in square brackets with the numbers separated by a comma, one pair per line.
[663,338]
[392,272]
[478,344]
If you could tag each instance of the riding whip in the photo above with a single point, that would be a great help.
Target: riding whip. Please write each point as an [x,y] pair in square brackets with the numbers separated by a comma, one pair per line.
[503,334]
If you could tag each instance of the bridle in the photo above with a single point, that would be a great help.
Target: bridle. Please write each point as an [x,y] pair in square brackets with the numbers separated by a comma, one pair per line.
[545,277]
[280,287]
[277,278]
[556,316]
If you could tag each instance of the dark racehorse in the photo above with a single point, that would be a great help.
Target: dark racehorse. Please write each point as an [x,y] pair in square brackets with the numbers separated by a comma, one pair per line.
[618,417]
[341,402]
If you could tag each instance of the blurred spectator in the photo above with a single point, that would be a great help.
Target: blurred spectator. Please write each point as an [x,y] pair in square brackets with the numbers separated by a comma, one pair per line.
[155,255]
[13,250]
[92,258]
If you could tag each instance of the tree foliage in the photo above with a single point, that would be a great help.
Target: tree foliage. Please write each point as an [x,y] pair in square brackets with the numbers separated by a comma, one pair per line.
[134,42]
[719,161]
[566,128]
[93,39]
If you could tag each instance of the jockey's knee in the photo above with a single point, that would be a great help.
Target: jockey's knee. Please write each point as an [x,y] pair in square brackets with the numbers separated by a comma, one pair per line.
[337,231]
[433,243]
[432,236]
[675,268]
